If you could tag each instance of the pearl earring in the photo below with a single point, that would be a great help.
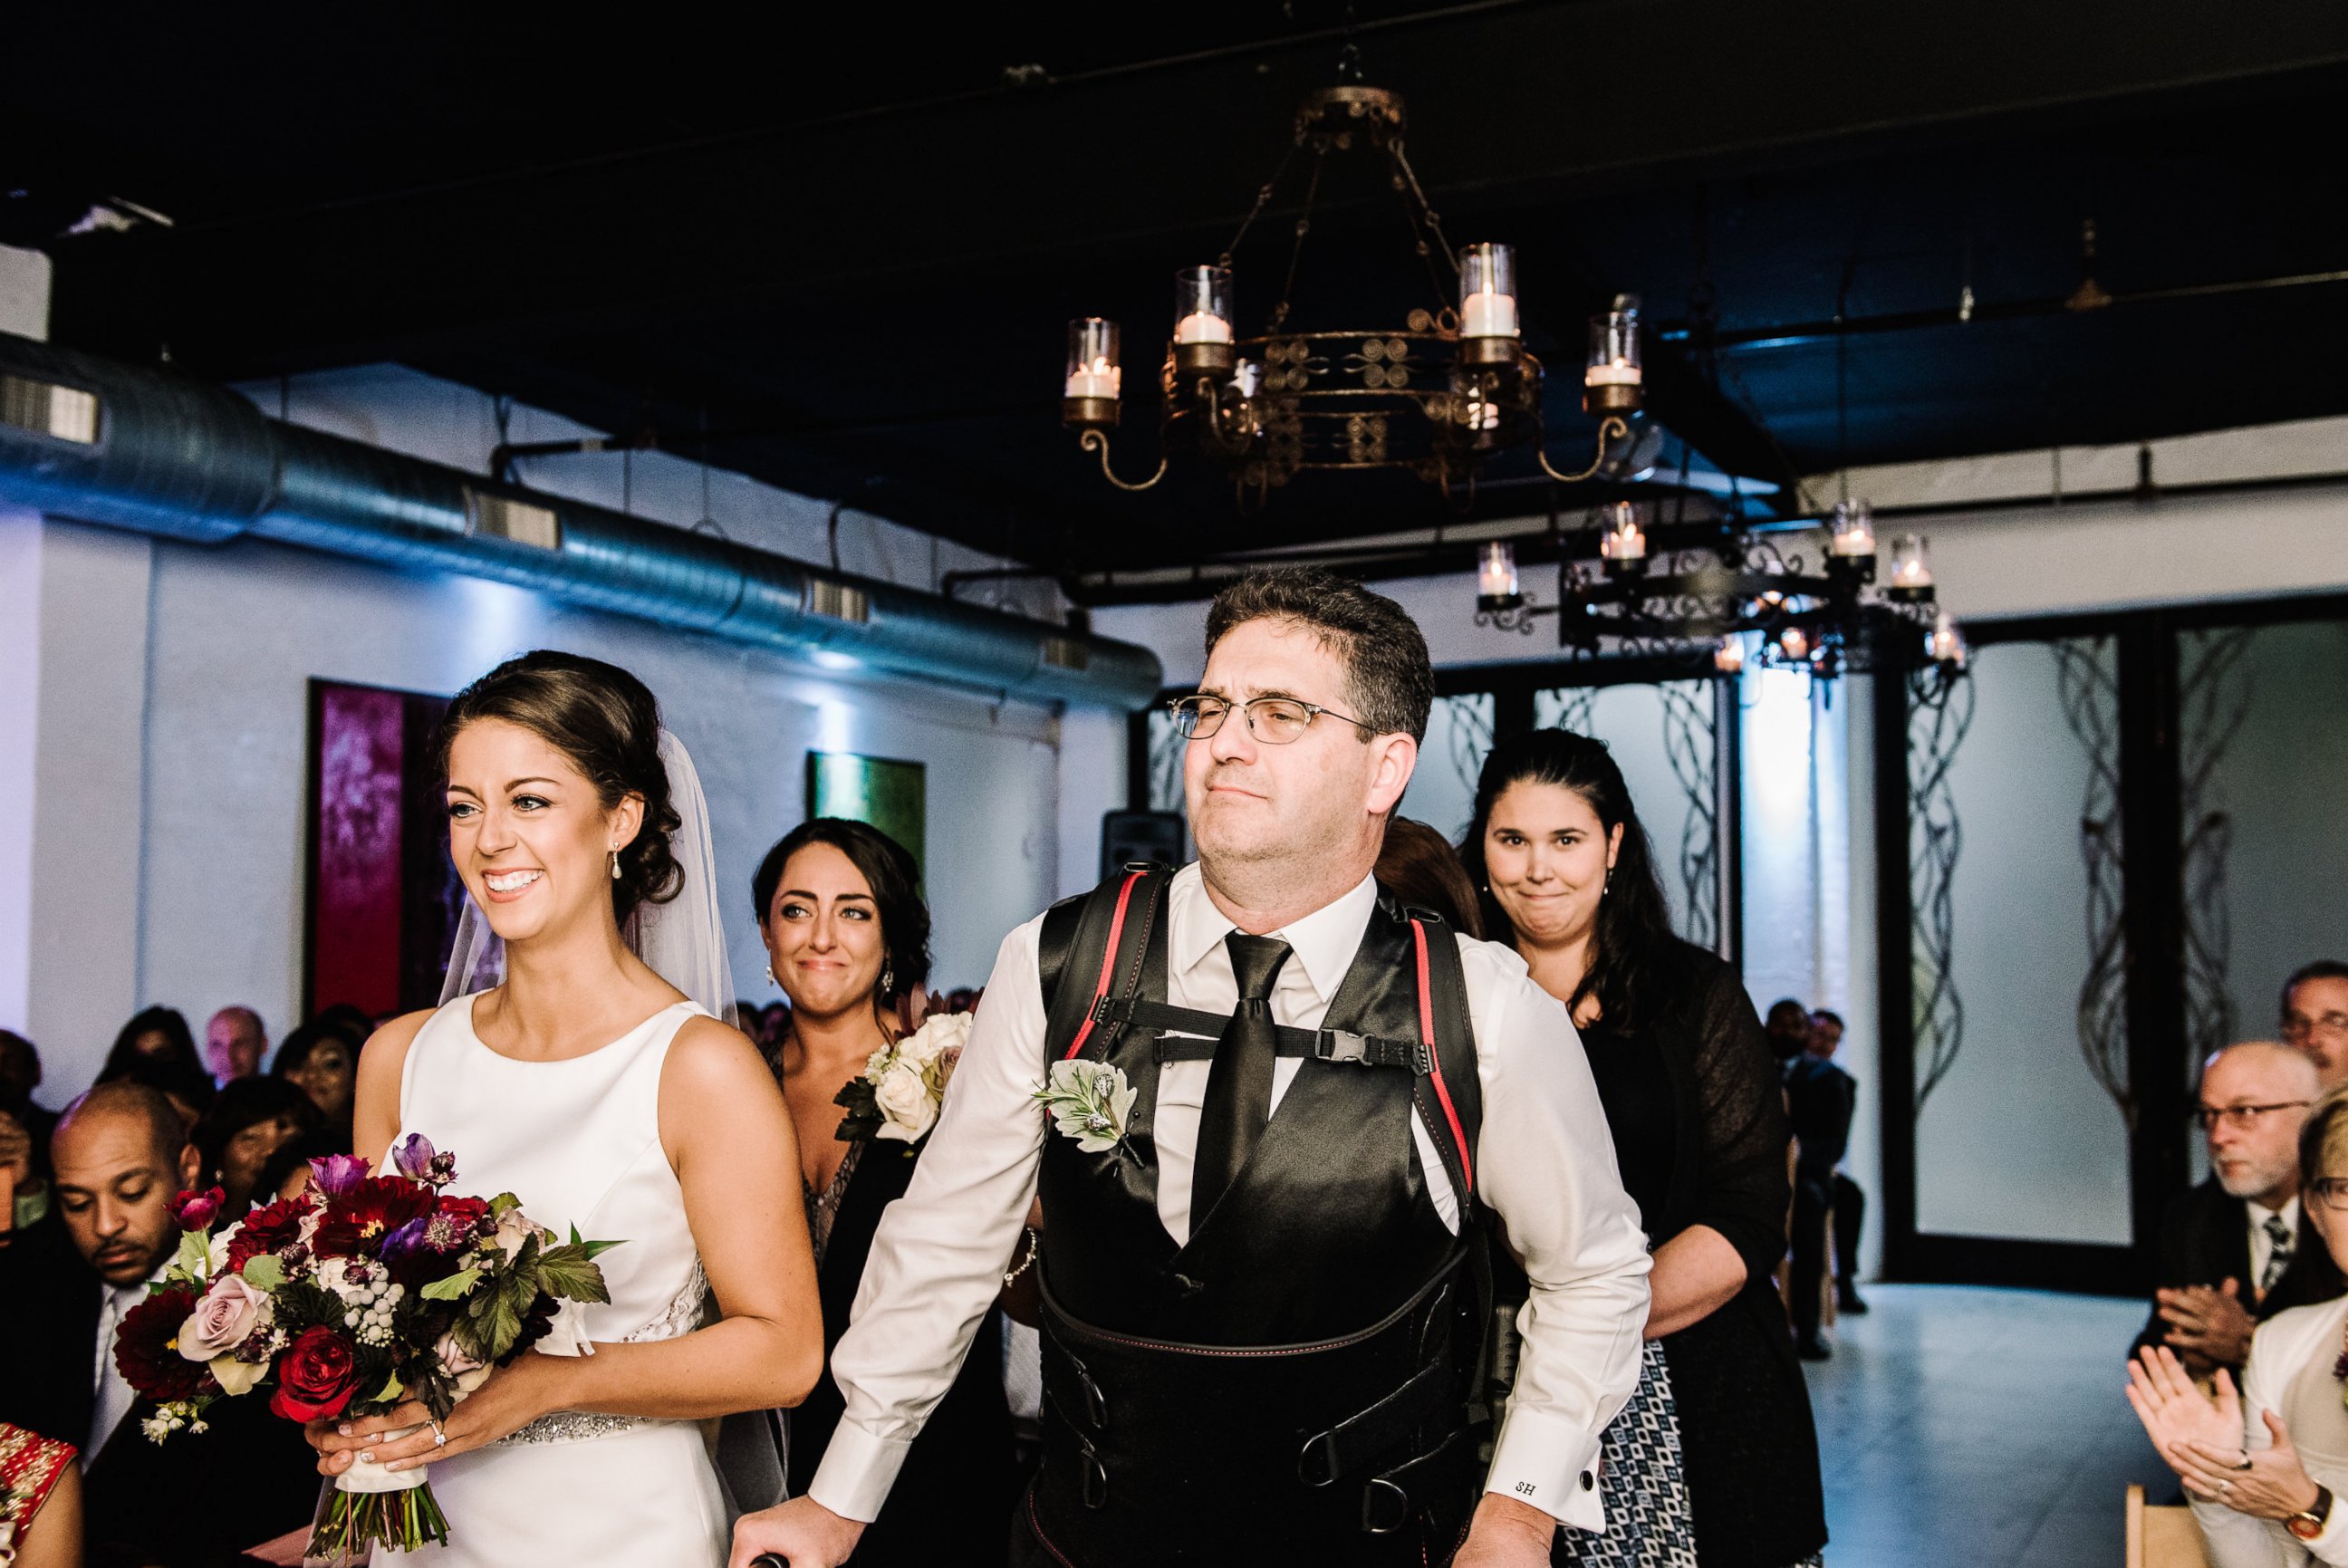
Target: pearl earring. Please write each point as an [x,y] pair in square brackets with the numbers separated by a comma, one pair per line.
[770,973]
[615,865]
[888,978]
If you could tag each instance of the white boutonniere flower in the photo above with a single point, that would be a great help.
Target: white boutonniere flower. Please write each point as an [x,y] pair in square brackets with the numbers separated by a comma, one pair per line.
[903,1085]
[1089,1102]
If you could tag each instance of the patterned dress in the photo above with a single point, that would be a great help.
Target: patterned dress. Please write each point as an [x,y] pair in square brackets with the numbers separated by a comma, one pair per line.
[30,1465]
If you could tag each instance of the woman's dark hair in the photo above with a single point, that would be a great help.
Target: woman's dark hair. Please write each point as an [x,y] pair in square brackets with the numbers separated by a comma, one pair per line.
[896,884]
[295,1048]
[1634,924]
[1422,868]
[607,722]
[245,1103]
[168,1022]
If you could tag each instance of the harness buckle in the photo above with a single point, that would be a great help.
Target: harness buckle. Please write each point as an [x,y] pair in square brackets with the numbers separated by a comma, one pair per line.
[1344,1046]
[1386,1507]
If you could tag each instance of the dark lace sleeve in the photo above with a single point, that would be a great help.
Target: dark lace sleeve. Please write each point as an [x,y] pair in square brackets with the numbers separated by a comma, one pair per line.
[1739,1186]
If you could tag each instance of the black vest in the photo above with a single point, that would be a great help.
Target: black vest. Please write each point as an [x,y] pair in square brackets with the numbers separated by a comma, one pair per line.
[1292,1384]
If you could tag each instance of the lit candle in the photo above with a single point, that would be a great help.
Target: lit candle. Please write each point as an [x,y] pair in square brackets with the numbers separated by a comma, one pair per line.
[1201,327]
[1487,291]
[1729,657]
[1795,642]
[1614,356]
[1910,565]
[1487,315]
[1612,373]
[1948,643]
[1852,530]
[1623,540]
[1496,571]
[1097,379]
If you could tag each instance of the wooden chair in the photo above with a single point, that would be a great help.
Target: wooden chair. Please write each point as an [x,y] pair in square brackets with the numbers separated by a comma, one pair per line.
[2162,1537]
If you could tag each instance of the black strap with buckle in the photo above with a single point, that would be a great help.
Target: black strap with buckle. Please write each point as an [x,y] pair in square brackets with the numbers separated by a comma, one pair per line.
[1386,1503]
[1186,1035]
[1343,1448]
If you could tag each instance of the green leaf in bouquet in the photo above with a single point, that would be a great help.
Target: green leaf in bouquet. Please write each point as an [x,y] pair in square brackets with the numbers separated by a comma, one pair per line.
[504,1203]
[570,1272]
[455,1287]
[391,1390]
[594,1249]
[195,1255]
[497,1324]
[263,1272]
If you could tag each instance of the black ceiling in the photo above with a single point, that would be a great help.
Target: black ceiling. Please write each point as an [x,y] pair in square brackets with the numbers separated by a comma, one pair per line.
[848,258]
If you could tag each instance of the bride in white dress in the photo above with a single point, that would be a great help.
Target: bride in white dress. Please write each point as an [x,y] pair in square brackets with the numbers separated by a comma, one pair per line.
[604,1097]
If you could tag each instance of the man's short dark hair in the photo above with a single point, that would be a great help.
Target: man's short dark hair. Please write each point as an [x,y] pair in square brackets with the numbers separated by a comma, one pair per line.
[2321,969]
[1828,1015]
[138,1102]
[1388,679]
[1782,1003]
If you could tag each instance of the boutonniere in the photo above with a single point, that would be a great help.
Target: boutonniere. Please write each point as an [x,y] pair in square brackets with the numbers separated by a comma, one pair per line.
[1090,1101]
[897,1096]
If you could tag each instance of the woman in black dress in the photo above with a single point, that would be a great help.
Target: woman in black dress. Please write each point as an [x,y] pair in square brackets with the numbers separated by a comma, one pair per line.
[1564,873]
[847,935]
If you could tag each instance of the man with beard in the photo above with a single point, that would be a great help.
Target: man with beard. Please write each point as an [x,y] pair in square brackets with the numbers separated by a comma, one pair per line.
[1284,1105]
[2228,1255]
[120,1157]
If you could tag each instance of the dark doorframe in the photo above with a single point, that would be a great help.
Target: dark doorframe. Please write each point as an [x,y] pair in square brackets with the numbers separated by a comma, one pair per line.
[2153,916]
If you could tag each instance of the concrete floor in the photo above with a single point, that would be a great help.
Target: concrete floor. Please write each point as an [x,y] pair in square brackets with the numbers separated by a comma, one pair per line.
[1980,1428]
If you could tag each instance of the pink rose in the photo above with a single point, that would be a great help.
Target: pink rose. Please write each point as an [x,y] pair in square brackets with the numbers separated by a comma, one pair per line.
[224,1319]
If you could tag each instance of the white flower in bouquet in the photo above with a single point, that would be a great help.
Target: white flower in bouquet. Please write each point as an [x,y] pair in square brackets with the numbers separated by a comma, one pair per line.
[907,1109]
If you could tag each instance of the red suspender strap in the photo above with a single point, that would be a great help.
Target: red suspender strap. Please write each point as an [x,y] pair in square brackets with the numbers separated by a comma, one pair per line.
[1433,1056]
[1108,966]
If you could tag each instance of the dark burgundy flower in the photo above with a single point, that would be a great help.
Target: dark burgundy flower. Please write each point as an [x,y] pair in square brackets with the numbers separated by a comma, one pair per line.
[356,1219]
[316,1377]
[146,1349]
[197,1211]
[267,1229]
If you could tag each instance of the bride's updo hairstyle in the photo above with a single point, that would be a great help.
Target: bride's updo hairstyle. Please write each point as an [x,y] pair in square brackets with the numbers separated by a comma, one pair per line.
[607,722]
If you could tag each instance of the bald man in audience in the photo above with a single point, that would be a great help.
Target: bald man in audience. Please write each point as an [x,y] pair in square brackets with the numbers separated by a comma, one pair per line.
[2229,1254]
[235,1043]
[2315,1017]
[118,1158]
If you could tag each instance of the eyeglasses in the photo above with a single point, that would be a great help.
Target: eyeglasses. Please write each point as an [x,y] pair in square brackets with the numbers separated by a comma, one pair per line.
[2330,1193]
[2242,1118]
[2299,1026]
[1274,720]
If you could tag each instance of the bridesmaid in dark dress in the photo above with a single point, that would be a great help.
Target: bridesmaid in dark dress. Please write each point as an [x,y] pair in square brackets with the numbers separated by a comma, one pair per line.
[1721,1431]
[847,939]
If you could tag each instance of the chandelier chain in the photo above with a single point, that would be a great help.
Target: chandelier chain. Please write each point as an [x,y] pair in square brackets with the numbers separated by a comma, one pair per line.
[1296,251]
[1262,199]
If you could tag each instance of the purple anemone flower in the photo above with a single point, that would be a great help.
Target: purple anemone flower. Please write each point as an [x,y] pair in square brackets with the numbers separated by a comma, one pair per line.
[338,1174]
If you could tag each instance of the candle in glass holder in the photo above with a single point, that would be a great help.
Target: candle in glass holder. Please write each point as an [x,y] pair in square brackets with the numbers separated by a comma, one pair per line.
[1614,358]
[1852,531]
[1097,379]
[1728,658]
[1487,291]
[1495,571]
[1946,644]
[1093,356]
[1794,643]
[1203,304]
[1623,539]
[1910,564]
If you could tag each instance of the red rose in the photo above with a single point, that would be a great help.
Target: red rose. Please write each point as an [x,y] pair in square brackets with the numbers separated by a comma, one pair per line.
[146,1349]
[266,1230]
[357,1222]
[316,1378]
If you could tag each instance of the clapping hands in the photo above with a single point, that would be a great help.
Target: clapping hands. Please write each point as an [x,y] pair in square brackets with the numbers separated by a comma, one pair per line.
[2201,1437]
[2208,1327]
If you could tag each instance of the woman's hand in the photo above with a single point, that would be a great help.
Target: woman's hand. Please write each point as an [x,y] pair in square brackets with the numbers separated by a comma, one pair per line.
[512,1398]
[2267,1483]
[2176,1415]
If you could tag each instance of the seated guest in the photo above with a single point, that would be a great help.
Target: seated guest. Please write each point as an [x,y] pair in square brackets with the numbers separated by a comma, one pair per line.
[40,1501]
[20,1075]
[2228,1256]
[243,1131]
[322,1060]
[2261,1466]
[2315,1017]
[1821,1098]
[1849,1198]
[234,1044]
[153,1035]
[839,909]
[1787,1029]
[1423,868]
[120,1158]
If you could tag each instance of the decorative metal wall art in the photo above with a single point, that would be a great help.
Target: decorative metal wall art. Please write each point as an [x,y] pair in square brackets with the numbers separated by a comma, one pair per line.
[1939,713]
[2088,682]
[2213,702]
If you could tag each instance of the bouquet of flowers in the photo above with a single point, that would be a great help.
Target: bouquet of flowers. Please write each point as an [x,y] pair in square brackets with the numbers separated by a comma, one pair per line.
[904,1084]
[364,1293]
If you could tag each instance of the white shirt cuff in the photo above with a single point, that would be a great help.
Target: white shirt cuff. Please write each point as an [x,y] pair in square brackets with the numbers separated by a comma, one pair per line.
[857,1471]
[1544,1460]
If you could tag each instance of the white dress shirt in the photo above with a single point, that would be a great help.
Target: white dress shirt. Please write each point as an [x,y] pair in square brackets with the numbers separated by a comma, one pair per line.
[114,1393]
[1544,1158]
[2263,1244]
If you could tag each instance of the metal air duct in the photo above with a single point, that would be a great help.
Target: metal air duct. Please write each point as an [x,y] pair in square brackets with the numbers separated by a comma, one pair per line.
[106,443]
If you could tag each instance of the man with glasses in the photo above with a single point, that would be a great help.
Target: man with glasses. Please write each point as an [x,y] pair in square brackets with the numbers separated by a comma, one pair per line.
[2228,1255]
[1261,1229]
[2315,1017]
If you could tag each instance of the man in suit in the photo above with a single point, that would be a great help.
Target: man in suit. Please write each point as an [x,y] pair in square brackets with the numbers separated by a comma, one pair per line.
[1821,1098]
[119,1156]
[2228,1254]
[2315,1017]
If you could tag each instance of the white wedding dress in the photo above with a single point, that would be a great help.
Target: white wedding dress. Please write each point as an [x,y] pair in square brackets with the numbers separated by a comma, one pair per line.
[577,1142]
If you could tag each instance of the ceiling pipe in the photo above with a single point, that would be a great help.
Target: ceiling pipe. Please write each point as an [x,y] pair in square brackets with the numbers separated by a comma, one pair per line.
[101,442]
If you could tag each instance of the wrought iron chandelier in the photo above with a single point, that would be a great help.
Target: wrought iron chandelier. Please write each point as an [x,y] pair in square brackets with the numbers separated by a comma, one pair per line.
[1436,397]
[1732,593]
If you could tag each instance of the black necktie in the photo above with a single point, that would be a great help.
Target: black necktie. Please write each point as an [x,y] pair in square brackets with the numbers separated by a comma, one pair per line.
[1239,1086]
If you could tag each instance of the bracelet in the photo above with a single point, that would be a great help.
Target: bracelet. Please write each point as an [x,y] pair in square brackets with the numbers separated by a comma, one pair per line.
[1033,1237]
